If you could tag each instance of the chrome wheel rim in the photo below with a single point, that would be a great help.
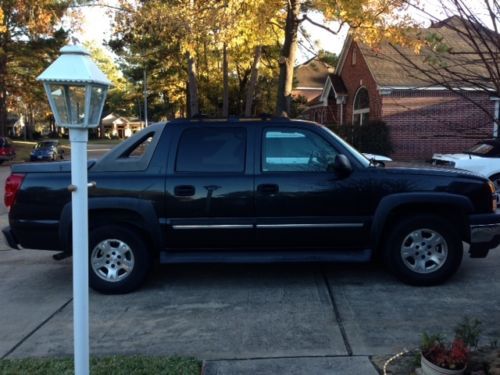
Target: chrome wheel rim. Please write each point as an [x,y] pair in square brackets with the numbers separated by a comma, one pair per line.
[424,251]
[112,260]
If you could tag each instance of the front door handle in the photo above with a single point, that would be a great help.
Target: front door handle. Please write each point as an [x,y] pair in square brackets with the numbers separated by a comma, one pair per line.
[184,190]
[268,189]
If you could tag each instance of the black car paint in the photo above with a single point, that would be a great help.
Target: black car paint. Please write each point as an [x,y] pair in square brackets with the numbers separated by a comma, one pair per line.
[267,211]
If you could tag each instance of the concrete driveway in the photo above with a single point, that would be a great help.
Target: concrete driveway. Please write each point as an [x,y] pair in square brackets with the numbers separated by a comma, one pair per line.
[224,313]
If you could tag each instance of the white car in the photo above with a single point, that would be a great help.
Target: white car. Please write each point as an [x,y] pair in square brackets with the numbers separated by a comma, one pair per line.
[482,158]
[376,157]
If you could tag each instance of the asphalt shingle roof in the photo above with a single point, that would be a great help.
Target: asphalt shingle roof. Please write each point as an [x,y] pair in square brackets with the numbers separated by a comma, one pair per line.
[402,67]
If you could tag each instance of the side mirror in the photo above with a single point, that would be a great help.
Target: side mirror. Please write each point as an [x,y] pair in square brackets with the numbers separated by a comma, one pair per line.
[341,165]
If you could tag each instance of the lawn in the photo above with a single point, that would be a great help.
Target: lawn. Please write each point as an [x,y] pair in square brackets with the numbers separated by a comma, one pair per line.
[116,365]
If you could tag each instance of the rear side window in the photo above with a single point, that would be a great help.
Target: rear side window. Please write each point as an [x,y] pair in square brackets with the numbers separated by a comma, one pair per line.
[211,150]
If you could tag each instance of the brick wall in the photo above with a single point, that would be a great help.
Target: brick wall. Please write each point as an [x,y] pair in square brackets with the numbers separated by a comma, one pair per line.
[356,76]
[426,122]
[323,115]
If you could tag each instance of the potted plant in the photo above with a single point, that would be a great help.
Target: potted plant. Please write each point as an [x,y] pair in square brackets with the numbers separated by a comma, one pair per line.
[441,357]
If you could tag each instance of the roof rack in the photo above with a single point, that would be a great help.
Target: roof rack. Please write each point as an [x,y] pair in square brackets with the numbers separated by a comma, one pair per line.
[205,118]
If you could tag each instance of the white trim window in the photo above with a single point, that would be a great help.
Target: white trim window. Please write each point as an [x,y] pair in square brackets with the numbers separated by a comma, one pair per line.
[361,107]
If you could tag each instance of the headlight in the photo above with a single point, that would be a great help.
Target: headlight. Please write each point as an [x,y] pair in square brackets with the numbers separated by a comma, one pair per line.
[493,190]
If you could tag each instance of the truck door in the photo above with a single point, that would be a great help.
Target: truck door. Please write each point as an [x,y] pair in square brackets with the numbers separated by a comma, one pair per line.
[300,202]
[209,189]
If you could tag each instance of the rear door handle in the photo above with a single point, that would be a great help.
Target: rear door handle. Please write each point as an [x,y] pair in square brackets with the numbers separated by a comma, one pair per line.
[184,190]
[268,189]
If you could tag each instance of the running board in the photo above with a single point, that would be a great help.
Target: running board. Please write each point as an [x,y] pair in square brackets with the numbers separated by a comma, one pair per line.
[272,256]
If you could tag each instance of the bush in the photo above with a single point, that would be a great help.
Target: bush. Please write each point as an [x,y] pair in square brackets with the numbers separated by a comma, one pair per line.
[373,137]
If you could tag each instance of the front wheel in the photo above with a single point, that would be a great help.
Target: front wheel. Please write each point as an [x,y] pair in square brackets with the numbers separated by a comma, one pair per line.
[423,250]
[119,260]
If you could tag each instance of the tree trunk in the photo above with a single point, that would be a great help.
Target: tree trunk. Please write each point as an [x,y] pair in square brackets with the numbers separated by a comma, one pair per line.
[225,73]
[3,90]
[287,59]
[194,107]
[252,84]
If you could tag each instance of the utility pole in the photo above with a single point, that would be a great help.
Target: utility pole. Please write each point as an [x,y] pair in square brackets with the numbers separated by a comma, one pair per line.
[145,98]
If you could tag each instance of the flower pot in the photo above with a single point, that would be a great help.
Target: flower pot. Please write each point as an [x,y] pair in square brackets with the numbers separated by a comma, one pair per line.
[429,368]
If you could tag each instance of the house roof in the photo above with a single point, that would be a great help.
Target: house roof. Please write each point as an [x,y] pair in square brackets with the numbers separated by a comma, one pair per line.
[338,84]
[312,74]
[316,101]
[401,67]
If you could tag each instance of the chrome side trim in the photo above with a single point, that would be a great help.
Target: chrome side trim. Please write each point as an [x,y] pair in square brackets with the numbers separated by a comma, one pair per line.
[267,226]
[214,226]
[332,225]
[41,222]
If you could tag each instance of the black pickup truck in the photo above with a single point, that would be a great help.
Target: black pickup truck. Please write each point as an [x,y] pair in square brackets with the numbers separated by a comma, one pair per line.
[271,190]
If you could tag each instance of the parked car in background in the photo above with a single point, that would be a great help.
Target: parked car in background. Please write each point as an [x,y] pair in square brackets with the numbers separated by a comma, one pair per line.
[375,157]
[7,150]
[482,158]
[47,150]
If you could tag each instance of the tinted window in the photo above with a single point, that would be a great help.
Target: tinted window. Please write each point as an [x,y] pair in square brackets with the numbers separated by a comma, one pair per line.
[139,148]
[211,150]
[295,150]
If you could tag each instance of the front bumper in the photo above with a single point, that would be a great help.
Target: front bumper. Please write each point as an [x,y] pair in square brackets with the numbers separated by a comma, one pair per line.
[484,233]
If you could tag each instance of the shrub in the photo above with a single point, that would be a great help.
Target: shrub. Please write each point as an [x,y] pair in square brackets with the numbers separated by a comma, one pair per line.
[373,137]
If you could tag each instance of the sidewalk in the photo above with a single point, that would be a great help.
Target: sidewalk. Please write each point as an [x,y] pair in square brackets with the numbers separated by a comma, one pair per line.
[292,366]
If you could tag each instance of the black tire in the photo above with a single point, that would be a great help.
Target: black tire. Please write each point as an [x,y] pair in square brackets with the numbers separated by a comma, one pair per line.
[423,250]
[119,260]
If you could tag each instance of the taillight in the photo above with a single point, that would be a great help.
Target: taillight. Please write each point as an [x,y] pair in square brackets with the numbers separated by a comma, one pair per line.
[12,186]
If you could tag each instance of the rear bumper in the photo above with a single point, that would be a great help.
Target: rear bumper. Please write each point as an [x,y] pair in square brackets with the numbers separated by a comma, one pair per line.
[10,238]
[484,233]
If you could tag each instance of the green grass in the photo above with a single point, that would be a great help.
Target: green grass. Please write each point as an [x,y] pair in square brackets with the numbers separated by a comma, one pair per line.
[116,365]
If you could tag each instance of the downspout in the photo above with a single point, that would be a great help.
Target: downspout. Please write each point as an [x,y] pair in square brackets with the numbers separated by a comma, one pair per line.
[496,117]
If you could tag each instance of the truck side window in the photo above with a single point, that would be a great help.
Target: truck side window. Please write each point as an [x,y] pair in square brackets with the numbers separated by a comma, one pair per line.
[295,150]
[211,150]
[139,148]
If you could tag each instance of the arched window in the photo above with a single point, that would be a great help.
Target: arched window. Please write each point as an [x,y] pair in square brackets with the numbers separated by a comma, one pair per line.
[361,107]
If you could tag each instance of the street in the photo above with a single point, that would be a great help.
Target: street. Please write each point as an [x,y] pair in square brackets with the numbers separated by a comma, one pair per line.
[226,313]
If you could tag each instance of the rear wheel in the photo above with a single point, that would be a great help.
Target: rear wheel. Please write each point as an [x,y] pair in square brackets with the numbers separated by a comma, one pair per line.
[423,250]
[119,260]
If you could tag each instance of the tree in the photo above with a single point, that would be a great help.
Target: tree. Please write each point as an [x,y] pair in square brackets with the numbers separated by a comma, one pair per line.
[369,20]
[199,43]
[26,27]
[459,53]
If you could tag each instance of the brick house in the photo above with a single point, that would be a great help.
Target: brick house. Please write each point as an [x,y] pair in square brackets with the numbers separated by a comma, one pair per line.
[309,80]
[376,84]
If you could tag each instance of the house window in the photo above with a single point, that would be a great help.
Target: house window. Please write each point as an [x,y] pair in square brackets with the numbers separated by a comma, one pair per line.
[353,61]
[361,107]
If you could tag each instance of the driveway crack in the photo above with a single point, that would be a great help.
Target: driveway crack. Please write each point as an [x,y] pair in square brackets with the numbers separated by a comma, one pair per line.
[36,329]
[338,318]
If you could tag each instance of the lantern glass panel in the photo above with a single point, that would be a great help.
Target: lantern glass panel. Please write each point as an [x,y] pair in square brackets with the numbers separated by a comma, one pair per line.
[70,103]
[98,94]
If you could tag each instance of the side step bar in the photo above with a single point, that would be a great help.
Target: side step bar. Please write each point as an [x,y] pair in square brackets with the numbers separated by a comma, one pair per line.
[272,256]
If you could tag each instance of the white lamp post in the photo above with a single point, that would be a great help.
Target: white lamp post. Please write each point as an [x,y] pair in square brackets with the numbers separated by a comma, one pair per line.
[77,89]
